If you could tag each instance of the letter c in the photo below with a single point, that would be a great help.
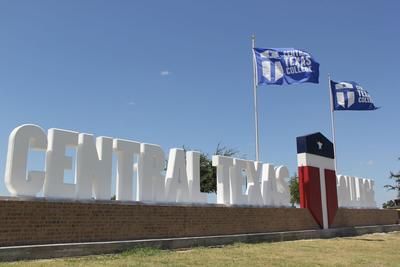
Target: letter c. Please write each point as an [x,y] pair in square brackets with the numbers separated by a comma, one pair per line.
[18,181]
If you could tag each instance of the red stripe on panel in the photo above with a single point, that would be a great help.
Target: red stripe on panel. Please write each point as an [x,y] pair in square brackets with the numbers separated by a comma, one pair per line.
[310,192]
[331,194]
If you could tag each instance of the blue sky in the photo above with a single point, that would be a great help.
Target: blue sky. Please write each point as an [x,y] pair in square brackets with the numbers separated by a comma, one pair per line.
[180,73]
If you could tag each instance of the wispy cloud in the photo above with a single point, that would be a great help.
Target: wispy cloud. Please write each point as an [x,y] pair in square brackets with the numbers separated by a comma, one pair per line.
[131,103]
[369,162]
[165,73]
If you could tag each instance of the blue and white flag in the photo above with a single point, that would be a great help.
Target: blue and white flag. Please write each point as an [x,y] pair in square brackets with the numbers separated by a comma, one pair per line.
[284,65]
[350,96]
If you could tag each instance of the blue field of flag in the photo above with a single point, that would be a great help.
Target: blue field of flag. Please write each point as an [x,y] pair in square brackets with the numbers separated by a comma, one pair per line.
[350,96]
[284,66]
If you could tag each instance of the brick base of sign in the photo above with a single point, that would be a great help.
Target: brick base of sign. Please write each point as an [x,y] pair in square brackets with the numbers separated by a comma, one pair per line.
[363,217]
[40,221]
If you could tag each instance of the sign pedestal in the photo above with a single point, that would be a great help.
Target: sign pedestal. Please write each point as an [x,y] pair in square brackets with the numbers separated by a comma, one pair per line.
[317,177]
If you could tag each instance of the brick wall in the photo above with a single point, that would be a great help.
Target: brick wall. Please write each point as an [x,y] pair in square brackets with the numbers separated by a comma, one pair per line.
[41,222]
[361,217]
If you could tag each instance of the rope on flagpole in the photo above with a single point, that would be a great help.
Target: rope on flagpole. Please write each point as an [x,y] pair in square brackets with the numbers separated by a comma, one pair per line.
[253,41]
[332,121]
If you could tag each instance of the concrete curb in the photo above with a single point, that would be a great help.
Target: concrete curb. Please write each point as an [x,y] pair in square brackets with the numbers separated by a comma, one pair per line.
[14,253]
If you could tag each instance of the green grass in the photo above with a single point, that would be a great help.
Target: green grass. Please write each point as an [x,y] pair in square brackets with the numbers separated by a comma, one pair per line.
[367,250]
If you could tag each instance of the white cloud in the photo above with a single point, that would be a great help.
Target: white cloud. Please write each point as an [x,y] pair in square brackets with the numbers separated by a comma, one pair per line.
[132,103]
[370,162]
[165,73]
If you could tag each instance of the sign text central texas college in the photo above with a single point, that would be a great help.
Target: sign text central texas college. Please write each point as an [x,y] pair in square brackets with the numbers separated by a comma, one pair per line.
[138,163]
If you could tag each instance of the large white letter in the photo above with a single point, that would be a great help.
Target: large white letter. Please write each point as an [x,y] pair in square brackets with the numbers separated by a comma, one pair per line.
[18,181]
[125,150]
[253,183]
[193,174]
[93,167]
[343,191]
[151,185]
[176,182]
[362,192]
[283,195]
[224,168]
[351,181]
[371,194]
[268,184]
[57,162]
[237,197]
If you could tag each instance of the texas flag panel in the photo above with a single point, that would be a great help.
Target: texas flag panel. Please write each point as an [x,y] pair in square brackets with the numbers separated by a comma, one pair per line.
[317,177]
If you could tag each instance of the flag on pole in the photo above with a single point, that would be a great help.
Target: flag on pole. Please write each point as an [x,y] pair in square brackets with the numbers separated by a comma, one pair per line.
[350,96]
[284,65]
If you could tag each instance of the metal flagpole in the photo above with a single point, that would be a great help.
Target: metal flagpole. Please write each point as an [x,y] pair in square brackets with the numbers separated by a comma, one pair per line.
[332,121]
[253,41]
